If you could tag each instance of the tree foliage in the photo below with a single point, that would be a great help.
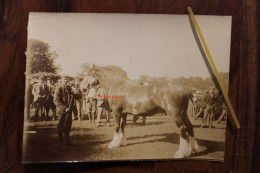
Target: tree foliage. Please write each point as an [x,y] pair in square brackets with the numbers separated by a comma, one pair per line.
[199,82]
[40,57]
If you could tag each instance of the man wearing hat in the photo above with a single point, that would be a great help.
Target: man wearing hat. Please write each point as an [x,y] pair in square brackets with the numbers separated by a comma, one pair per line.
[210,100]
[77,101]
[40,92]
[91,102]
[63,99]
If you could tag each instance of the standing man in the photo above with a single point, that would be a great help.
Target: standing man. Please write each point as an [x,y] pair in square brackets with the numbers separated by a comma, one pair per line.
[74,107]
[91,102]
[63,99]
[201,105]
[40,92]
[49,101]
[78,101]
[102,104]
[210,100]
[223,113]
[222,107]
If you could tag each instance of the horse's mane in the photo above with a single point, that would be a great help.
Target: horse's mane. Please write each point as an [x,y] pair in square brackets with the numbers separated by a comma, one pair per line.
[111,70]
[113,77]
[110,77]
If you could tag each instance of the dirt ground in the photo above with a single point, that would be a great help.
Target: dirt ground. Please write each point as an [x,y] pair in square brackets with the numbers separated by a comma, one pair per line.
[157,139]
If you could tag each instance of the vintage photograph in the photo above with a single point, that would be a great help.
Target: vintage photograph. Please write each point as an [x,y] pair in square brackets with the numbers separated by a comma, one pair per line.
[110,87]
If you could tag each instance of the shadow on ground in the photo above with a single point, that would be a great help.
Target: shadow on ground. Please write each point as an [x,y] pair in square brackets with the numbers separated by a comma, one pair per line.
[214,127]
[146,124]
[43,146]
[211,146]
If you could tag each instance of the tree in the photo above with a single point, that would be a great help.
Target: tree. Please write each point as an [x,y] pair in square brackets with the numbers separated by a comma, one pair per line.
[225,79]
[40,57]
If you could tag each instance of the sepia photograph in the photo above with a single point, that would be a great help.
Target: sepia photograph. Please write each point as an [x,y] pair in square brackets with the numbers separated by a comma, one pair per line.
[117,87]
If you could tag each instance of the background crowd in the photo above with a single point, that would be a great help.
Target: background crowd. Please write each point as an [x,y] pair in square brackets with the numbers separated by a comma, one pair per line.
[209,106]
[43,94]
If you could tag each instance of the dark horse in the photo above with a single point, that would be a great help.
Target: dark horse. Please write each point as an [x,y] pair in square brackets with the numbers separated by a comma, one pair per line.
[128,97]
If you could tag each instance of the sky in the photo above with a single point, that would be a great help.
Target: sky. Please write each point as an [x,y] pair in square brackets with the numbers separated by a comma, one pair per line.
[141,44]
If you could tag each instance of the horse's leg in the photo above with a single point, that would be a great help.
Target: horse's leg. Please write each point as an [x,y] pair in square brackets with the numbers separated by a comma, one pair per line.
[193,146]
[144,119]
[135,118]
[116,139]
[122,134]
[183,150]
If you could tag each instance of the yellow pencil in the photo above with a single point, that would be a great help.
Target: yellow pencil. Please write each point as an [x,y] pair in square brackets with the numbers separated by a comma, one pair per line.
[214,69]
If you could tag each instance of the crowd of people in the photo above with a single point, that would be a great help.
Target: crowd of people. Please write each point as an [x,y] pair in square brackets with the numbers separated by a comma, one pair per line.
[47,94]
[208,105]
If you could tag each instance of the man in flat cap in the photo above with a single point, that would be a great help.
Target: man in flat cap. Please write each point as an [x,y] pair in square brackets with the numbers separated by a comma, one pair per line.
[40,92]
[63,99]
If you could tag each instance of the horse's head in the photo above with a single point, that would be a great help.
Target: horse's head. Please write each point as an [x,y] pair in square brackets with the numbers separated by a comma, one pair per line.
[110,77]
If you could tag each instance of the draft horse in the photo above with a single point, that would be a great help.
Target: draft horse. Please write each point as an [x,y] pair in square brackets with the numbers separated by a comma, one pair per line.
[147,100]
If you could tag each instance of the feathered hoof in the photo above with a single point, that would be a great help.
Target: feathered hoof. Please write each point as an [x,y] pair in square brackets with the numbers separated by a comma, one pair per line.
[188,147]
[197,148]
[118,140]
[179,155]
[184,149]
[123,139]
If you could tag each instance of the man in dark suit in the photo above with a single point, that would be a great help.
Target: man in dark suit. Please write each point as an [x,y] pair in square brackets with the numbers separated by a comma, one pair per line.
[49,100]
[77,102]
[210,100]
[63,99]
[40,92]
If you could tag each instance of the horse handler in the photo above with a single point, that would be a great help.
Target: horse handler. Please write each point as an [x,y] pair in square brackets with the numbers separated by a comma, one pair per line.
[63,99]
[102,104]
